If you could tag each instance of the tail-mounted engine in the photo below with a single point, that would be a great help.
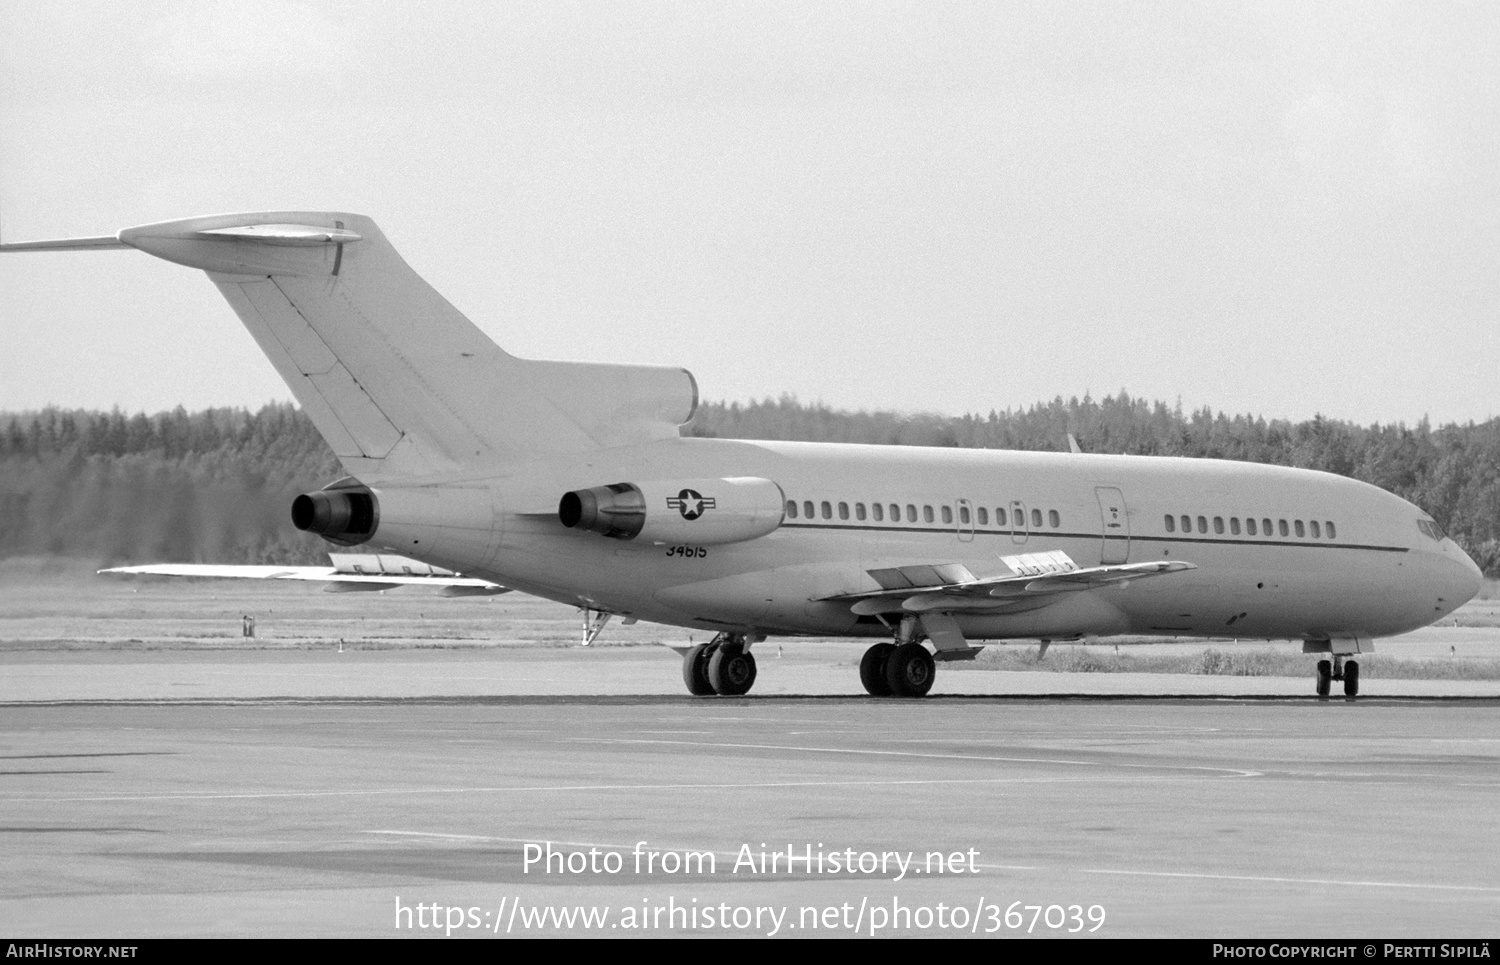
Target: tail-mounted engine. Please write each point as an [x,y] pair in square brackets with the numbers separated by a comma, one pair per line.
[346,513]
[431,523]
[704,512]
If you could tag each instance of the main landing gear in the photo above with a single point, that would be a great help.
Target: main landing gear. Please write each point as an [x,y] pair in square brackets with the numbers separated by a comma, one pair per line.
[897,670]
[723,666]
[906,668]
[1338,669]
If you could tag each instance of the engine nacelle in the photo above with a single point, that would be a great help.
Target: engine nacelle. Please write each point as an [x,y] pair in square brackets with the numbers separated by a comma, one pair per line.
[347,515]
[704,512]
[430,522]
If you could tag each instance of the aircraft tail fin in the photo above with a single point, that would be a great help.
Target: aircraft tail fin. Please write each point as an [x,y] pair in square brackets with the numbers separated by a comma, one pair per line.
[397,380]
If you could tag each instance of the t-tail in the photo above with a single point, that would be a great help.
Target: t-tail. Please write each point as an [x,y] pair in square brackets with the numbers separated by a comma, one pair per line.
[396,379]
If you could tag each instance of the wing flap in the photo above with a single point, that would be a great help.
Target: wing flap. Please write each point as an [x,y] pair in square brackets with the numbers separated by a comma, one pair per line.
[1033,578]
[379,573]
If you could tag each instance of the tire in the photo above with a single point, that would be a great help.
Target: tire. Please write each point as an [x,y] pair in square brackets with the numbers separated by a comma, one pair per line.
[1351,678]
[1325,677]
[872,669]
[695,671]
[910,670]
[731,670]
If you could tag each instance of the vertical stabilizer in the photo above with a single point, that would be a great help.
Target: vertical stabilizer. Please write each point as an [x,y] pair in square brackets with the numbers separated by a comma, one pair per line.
[397,380]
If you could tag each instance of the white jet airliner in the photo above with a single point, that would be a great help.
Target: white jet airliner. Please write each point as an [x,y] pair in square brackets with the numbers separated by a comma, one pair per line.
[571,481]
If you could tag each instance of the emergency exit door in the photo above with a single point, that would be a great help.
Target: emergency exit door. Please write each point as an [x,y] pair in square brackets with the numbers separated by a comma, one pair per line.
[1116,545]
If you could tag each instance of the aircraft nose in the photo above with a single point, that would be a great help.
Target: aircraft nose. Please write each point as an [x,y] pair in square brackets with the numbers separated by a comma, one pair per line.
[1463,578]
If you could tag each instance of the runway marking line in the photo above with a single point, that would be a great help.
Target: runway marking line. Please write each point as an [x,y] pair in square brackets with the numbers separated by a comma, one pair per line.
[1234,771]
[28,757]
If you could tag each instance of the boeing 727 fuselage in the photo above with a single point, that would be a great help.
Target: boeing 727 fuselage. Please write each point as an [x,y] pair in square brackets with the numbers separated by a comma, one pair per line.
[572,481]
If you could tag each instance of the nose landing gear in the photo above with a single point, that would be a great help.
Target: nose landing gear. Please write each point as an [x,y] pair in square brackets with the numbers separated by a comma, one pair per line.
[1338,669]
[1337,665]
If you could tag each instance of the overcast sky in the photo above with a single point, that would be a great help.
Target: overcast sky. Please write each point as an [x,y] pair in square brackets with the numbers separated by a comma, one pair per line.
[1280,209]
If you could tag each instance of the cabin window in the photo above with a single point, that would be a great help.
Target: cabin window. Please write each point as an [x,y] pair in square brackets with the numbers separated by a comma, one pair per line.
[927,516]
[1265,527]
[1053,519]
[911,513]
[963,515]
[807,509]
[947,513]
[1332,533]
[1234,526]
[1036,519]
[1301,532]
[1202,524]
[895,513]
[1187,524]
[999,516]
[1219,525]
[859,511]
[878,510]
[843,510]
[1171,523]
[1250,526]
[791,509]
[1283,527]
[827,510]
[984,516]
[1317,533]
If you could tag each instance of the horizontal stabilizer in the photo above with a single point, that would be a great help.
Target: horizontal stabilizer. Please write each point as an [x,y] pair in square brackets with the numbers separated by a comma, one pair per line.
[66,244]
[296,235]
[394,377]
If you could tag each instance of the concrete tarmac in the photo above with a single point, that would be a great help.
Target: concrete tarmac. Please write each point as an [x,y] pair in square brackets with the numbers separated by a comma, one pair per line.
[283,795]
[804,668]
[160,777]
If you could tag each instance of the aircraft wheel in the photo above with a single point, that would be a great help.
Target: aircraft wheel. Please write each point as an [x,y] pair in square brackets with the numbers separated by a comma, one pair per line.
[1351,678]
[872,669]
[910,670]
[731,670]
[1325,677]
[695,671]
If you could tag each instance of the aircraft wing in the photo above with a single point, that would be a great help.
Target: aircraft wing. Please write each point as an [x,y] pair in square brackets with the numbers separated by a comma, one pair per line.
[1031,578]
[350,572]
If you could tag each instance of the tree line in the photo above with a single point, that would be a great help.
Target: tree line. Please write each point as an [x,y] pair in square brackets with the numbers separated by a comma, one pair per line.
[210,486]
[214,486]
